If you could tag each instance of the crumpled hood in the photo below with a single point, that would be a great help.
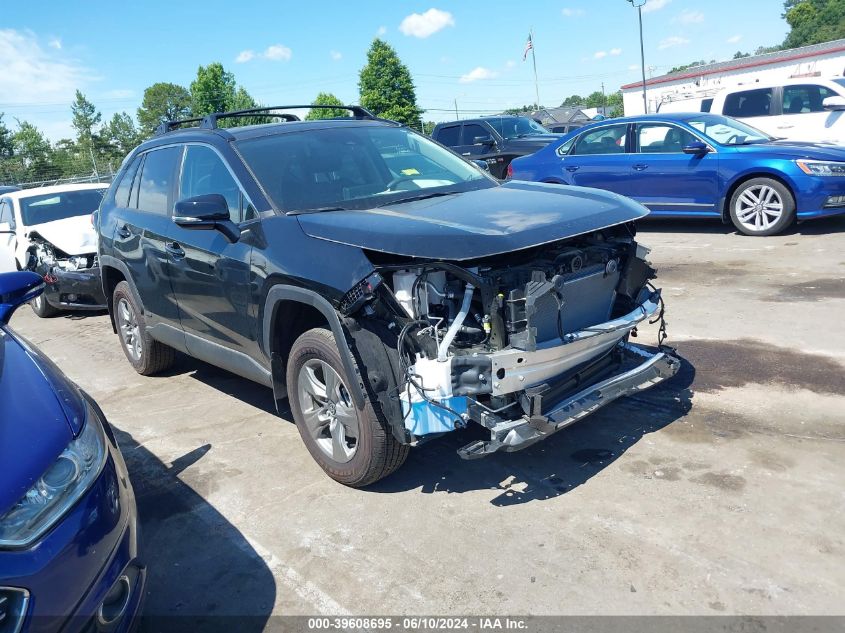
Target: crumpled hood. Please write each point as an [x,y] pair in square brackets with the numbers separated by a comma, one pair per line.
[75,236]
[476,224]
[34,426]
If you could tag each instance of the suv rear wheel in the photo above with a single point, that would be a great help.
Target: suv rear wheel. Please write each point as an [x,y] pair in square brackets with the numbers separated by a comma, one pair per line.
[144,353]
[762,206]
[350,444]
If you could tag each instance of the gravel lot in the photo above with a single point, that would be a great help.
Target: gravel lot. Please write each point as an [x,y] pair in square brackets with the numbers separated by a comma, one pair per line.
[719,492]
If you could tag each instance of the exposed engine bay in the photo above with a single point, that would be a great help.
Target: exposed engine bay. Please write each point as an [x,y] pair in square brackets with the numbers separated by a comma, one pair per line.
[500,340]
[43,256]
[73,281]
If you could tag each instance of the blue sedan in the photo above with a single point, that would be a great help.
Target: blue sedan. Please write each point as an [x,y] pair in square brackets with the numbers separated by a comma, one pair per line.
[697,165]
[68,523]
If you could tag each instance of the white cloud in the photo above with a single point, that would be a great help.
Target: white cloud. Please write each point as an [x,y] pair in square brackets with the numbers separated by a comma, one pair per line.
[510,63]
[572,13]
[600,54]
[690,17]
[633,67]
[478,73]
[671,42]
[56,43]
[654,5]
[381,30]
[245,56]
[734,39]
[335,55]
[615,51]
[277,52]
[425,24]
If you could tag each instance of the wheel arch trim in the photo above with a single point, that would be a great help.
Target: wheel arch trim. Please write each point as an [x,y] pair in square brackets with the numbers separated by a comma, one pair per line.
[107,261]
[283,292]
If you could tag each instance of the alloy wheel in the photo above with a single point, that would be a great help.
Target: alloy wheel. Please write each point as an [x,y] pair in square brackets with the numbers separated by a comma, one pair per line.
[328,411]
[130,332]
[758,207]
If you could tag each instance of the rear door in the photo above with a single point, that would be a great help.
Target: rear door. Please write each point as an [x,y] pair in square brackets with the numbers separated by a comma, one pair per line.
[668,181]
[477,141]
[7,237]
[757,107]
[142,226]
[449,135]
[803,115]
[600,157]
[210,276]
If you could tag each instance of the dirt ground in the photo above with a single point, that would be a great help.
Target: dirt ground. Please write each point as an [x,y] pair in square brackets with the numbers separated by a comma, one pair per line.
[718,492]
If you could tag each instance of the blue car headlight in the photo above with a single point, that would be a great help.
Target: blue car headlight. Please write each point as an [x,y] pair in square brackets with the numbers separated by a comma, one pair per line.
[821,167]
[55,492]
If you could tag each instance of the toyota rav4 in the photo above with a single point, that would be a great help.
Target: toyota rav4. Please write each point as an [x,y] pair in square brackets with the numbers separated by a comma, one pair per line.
[390,290]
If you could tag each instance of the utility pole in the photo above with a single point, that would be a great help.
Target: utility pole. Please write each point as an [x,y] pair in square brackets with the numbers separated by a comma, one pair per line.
[457,118]
[603,101]
[639,5]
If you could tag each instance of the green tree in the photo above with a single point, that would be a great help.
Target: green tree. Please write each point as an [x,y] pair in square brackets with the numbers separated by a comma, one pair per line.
[386,86]
[326,99]
[33,153]
[572,101]
[6,145]
[85,120]
[596,99]
[740,55]
[163,102]
[614,104]
[813,21]
[120,136]
[214,90]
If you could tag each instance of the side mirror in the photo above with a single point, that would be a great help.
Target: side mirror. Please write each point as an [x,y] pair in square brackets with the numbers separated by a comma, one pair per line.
[483,140]
[834,103]
[16,289]
[6,227]
[696,148]
[481,164]
[206,213]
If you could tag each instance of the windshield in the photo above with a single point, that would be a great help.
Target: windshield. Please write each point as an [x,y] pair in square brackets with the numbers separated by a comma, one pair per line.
[516,126]
[355,168]
[727,131]
[841,82]
[58,206]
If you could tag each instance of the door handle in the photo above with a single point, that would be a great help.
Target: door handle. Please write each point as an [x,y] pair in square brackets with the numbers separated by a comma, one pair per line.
[572,168]
[174,249]
[640,166]
[785,127]
[124,232]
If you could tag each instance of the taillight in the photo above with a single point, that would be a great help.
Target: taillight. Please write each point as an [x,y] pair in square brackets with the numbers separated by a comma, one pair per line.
[510,171]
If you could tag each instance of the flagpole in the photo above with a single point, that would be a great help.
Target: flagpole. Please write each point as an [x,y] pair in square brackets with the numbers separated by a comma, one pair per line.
[534,61]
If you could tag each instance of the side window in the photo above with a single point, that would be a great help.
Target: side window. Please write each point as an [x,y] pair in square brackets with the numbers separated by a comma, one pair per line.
[472,131]
[155,193]
[605,140]
[706,104]
[659,138]
[805,98]
[449,136]
[566,147]
[6,214]
[748,103]
[121,194]
[204,172]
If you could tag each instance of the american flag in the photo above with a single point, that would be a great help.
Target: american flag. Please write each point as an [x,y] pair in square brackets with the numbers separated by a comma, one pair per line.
[528,46]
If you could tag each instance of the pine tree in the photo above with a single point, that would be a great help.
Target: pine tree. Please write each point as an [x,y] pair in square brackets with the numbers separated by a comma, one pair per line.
[386,86]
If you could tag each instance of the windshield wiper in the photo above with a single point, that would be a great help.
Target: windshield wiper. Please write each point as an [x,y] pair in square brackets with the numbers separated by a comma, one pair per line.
[424,196]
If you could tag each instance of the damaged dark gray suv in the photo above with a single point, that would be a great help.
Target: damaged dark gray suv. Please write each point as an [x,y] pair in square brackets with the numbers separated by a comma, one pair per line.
[390,290]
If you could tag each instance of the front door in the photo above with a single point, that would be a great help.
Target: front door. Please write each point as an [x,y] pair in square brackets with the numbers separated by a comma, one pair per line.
[668,181]
[210,275]
[599,158]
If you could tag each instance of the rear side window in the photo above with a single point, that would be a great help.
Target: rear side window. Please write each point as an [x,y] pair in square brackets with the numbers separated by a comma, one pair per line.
[473,131]
[805,98]
[605,140]
[706,104]
[155,193]
[6,215]
[449,136]
[121,194]
[748,103]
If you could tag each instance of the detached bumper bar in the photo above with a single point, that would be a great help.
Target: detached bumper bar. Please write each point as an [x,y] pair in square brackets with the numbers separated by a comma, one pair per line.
[514,435]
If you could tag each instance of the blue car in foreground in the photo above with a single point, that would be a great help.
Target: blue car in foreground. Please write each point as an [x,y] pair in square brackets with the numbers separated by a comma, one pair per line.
[68,523]
[697,165]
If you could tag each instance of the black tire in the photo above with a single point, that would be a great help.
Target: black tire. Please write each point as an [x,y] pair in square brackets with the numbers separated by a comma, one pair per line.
[153,356]
[758,188]
[377,453]
[42,307]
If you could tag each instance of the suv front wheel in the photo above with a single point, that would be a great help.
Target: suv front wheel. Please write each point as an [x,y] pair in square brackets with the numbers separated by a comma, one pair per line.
[350,444]
[144,353]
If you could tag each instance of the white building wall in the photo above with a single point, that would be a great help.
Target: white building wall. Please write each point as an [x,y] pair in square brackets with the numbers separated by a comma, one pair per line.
[827,65]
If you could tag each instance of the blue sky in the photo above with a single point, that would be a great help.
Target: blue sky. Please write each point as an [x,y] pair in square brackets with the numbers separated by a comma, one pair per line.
[286,52]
